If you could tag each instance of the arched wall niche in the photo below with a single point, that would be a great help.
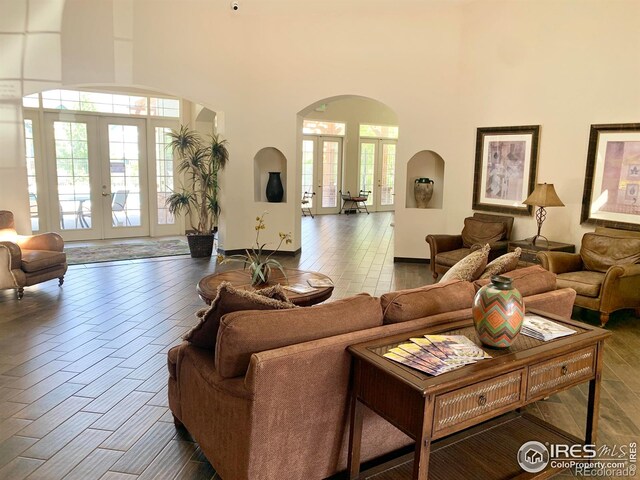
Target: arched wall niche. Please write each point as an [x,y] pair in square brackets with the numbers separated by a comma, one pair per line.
[426,163]
[268,159]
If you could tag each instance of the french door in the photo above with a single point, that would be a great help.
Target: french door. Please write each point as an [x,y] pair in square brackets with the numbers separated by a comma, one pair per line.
[377,172]
[322,172]
[98,176]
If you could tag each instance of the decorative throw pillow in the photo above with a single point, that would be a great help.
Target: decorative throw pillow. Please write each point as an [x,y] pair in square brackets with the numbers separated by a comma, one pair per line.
[230,299]
[476,231]
[504,263]
[470,267]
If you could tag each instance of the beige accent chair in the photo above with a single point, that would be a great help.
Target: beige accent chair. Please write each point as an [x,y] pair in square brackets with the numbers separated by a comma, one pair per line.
[26,260]
[482,228]
[605,274]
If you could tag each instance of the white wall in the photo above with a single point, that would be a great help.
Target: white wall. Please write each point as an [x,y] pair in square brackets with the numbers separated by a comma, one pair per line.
[444,67]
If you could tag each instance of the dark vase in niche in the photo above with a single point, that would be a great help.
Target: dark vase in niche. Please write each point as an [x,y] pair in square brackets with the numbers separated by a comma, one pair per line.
[275,190]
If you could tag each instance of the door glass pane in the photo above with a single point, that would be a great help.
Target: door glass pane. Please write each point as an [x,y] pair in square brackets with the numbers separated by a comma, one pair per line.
[367,167]
[72,169]
[387,173]
[330,160]
[124,170]
[164,174]
[31,174]
[307,169]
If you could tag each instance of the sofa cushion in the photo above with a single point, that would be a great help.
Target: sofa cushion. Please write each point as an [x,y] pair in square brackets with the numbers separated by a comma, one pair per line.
[600,251]
[477,231]
[36,260]
[470,267]
[244,333]
[504,263]
[584,282]
[529,281]
[229,299]
[410,304]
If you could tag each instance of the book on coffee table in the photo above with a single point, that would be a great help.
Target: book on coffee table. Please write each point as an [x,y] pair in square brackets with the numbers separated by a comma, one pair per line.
[543,329]
[320,282]
[299,288]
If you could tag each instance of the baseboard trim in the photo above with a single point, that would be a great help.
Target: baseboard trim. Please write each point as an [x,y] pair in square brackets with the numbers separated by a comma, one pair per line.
[411,260]
[242,251]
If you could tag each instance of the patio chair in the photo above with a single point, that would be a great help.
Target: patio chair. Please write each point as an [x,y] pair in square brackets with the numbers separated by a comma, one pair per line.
[351,204]
[307,197]
[119,204]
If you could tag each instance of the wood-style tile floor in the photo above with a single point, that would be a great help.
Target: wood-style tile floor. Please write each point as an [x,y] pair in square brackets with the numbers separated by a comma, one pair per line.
[83,367]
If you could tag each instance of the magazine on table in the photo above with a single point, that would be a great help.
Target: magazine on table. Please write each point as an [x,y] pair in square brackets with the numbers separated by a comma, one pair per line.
[299,288]
[543,328]
[320,282]
[437,354]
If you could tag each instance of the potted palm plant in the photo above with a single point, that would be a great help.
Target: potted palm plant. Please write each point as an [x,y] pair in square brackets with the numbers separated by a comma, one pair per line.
[201,160]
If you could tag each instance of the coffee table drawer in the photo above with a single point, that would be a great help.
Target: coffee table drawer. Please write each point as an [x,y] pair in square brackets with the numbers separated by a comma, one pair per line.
[454,409]
[546,377]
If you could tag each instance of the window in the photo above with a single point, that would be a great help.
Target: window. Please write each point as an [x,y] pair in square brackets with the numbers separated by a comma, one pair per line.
[315,127]
[31,101]
[72,167]
[164,174]
[378,131]
[83,101]
[31,174]
[164,107]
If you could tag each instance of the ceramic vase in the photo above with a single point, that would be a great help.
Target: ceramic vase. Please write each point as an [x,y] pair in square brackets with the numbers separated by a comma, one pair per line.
[498,312]
[423,191]
[275,190]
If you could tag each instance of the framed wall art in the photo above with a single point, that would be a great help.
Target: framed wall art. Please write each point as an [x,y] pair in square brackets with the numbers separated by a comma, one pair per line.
[611,195]
[505,168]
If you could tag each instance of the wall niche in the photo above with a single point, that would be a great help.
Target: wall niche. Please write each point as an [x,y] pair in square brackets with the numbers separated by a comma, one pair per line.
[268,159]
[425,163]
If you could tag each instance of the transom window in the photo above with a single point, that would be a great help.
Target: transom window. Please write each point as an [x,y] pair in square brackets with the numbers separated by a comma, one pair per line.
[316,127]
[83,101]
[378,131]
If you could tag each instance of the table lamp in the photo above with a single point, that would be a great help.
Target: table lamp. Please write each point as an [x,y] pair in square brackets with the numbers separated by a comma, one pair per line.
[543,196]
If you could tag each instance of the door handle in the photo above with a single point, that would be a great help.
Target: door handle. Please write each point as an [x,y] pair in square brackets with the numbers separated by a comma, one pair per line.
[105,194]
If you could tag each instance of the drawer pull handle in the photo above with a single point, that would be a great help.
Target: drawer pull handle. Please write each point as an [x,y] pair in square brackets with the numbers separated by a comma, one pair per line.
[564,370]
[482,400]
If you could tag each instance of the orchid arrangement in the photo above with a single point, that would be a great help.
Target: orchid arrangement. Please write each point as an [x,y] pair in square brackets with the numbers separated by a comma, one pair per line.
[259,262]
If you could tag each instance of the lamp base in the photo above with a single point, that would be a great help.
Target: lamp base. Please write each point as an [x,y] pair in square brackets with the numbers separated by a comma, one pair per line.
[535,239]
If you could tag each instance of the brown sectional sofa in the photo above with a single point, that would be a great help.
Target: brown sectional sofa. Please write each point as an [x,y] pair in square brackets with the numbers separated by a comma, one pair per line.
[272,402]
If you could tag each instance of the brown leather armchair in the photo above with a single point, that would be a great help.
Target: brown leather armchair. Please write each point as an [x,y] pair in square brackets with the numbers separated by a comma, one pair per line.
[482,228]
[605,274]
[26,260]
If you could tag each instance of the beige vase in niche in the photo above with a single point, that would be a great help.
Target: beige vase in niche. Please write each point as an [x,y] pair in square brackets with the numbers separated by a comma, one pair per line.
[423,191]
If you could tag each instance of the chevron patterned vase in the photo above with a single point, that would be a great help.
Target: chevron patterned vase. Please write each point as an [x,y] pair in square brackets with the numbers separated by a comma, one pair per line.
[498,311]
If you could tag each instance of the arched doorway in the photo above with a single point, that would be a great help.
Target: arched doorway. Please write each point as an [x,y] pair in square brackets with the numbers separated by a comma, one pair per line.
[98,161]
[348,144]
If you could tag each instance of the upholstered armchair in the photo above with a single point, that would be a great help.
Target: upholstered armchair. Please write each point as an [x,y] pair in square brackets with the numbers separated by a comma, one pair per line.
[26,260]
[482,228]
[605,274]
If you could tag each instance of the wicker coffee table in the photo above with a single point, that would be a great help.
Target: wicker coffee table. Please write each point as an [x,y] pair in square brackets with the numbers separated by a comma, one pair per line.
[208,286]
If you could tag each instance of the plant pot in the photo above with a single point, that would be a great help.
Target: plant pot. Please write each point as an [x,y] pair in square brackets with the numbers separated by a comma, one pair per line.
[275,190]
[200,245]
[423,191]
[498,312]
[265,272]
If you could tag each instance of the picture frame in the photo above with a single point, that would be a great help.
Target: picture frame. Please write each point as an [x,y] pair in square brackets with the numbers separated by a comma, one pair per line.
[505,168]
[611,195]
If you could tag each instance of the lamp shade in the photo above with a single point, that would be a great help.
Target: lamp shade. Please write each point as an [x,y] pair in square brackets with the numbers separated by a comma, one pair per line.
[544,195]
